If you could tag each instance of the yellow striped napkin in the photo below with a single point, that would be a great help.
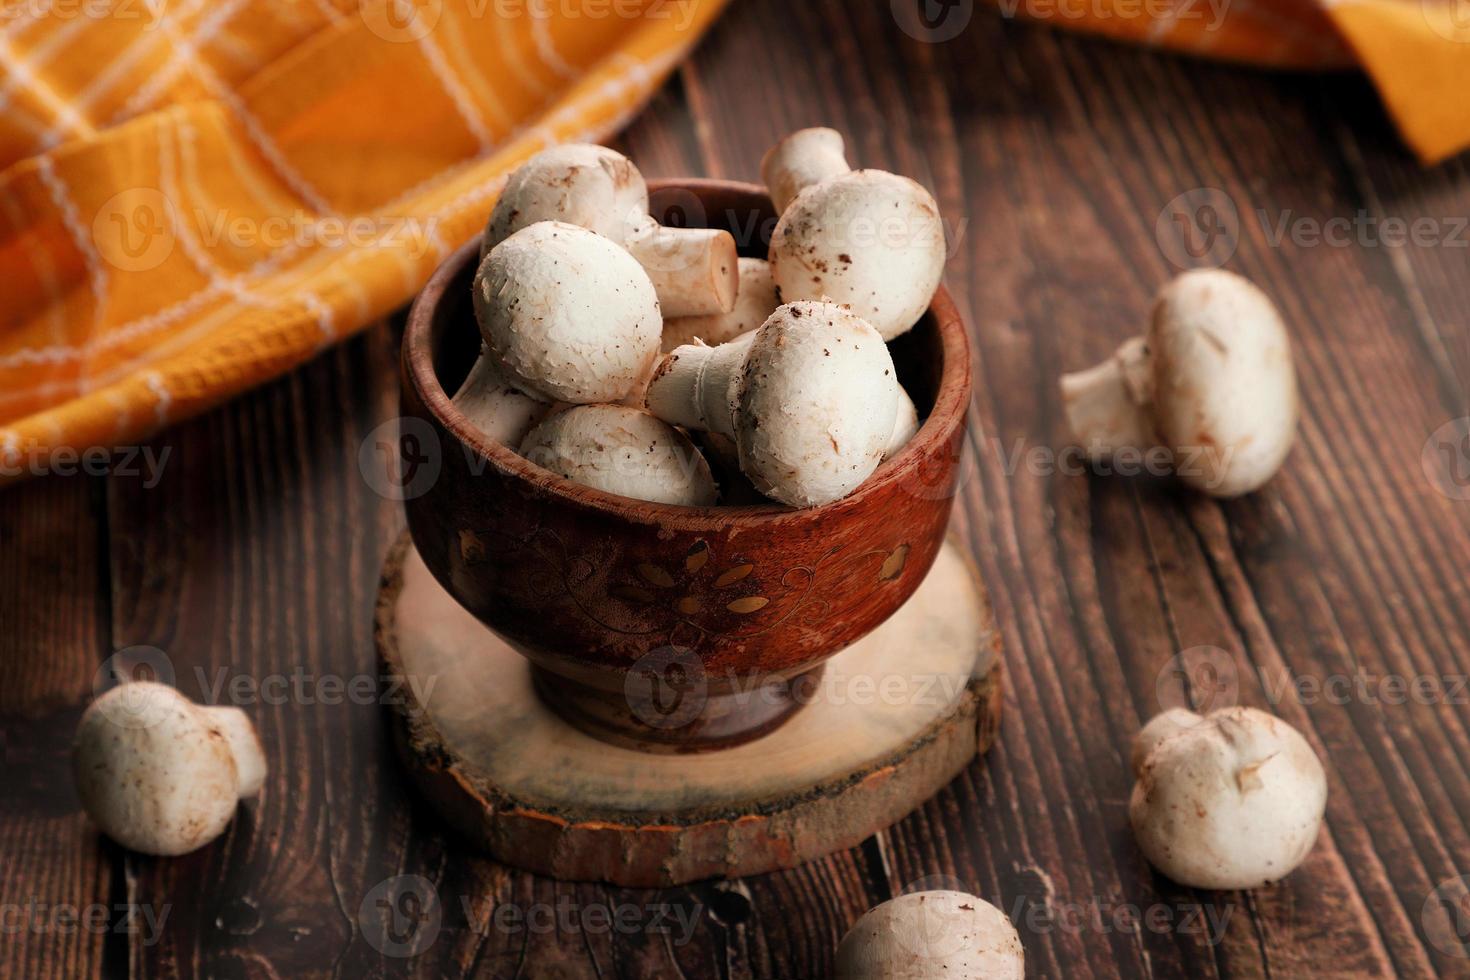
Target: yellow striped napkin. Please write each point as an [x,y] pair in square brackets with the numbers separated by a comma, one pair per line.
[198,196]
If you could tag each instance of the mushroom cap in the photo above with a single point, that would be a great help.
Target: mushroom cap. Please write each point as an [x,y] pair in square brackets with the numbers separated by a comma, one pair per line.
[152,771]
[567,314]
[924,935]
[816,404]
[1233,799]
[1162,726]
[905,423]
[1225,393]
[869,240]
[625,451]
[582,184]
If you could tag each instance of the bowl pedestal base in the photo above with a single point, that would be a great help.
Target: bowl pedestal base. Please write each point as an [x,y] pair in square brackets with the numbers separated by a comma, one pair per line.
[894,718]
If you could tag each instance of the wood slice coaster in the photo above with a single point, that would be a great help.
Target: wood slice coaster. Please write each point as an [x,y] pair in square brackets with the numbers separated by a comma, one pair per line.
[894,718]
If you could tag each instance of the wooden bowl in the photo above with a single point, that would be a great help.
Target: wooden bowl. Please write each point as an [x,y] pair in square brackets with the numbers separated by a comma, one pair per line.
[660,626]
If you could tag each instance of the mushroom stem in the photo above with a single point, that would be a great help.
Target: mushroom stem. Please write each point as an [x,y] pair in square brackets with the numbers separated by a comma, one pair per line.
[1107,405]
[245,748]
[503,413]
[695,386]
[755,300]
[693,270]
[806,157]
[809,399]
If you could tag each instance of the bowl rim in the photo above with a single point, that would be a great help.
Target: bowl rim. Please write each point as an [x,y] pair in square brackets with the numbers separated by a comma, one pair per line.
[951,403]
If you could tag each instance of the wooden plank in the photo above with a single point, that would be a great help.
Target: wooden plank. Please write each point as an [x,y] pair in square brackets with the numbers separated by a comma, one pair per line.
[251,566]
[1036,144]
[57,876]
[1053,157]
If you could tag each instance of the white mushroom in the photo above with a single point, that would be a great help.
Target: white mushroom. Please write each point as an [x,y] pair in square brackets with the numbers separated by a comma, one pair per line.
[1212,382]
[160,774]
[692,269]
[502,412]
[566,314]
[755,301]
[625,451]
[905,424]
[1233,799]
[810,399]
[867,239]
[929,935]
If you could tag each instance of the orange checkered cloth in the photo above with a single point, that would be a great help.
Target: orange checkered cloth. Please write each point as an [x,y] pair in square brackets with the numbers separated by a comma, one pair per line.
[198,195]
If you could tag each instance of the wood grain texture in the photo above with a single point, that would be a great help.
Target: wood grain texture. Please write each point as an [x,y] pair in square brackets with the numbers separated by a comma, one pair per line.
[54,606]
[531,790]
[1053,158]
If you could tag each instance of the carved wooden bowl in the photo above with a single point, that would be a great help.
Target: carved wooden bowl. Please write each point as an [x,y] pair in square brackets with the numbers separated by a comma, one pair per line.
[666,627]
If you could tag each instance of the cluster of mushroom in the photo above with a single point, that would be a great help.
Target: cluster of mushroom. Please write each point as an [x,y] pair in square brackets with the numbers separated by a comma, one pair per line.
[612,343]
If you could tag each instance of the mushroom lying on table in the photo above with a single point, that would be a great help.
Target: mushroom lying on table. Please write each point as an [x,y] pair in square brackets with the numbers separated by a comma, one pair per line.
[810,400]
[693,270]
[867,239]
[566,314]
[160,774]
[1212,381]
[1232,799]
[930,935]
[624,451]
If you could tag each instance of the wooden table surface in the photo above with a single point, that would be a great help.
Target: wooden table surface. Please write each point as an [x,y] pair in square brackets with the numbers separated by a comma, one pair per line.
[1058,162]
